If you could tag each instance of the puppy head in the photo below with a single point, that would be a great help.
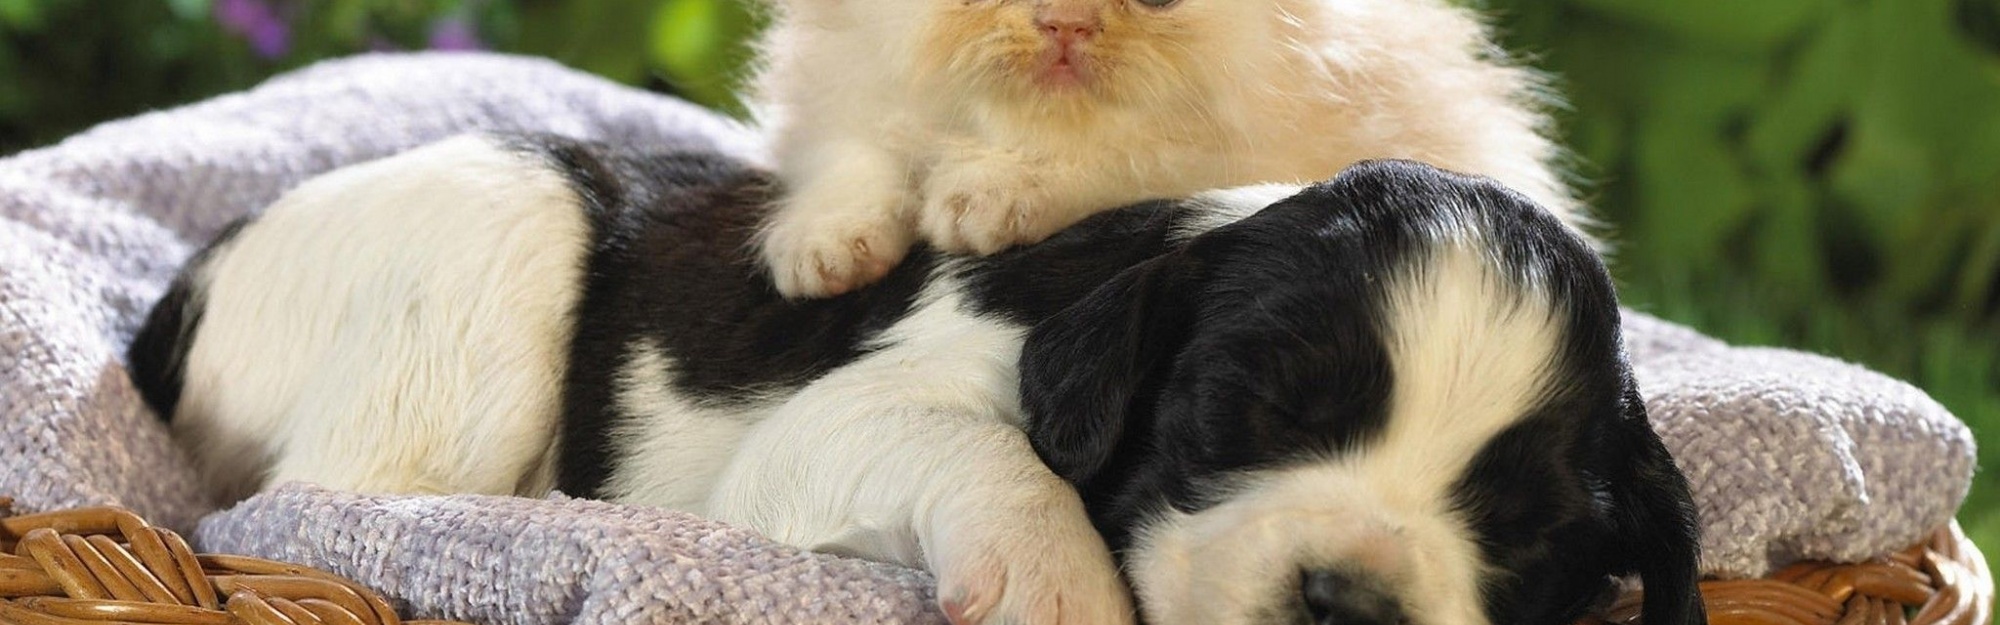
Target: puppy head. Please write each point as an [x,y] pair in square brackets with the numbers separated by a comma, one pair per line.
[1396,397]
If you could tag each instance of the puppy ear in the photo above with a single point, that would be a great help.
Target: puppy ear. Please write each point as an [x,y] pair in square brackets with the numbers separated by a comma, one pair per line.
[1083,369]
[1656,521]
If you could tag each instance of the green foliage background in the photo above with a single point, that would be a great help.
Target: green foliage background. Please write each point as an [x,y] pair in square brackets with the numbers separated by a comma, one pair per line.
[1822,174]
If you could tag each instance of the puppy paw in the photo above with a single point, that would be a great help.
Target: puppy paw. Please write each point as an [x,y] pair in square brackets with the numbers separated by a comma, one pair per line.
[1030,565]
[823,254]
[986,206]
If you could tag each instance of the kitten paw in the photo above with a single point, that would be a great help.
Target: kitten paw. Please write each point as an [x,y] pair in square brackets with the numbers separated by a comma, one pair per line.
[813,255]
[1031,565]
[985,207]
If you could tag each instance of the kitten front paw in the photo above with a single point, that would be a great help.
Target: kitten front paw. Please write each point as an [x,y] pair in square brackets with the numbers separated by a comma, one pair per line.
[823,254]
[984,207]
[1035,564]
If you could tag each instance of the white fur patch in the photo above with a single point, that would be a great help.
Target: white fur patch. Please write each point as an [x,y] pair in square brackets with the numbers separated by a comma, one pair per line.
[421,304]
[858,436]
[673,449]
[914,454]
[1471,356]
[1221,207]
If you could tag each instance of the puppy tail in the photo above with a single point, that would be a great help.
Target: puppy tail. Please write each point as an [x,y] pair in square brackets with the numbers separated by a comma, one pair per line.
[157,357]
[158,354]
[1656,517]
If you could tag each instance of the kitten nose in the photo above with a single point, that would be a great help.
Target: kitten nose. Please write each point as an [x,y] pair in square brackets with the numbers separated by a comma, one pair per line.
[1068,22]
[1335,597]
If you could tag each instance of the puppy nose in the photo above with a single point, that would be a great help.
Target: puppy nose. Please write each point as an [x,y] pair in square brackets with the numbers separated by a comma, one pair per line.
[1068,22]
[1339,598]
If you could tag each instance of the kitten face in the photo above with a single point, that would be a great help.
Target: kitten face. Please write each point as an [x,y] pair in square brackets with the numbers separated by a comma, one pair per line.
[1066,53]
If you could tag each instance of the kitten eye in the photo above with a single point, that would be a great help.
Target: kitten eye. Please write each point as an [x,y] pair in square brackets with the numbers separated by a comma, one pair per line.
[1158,4]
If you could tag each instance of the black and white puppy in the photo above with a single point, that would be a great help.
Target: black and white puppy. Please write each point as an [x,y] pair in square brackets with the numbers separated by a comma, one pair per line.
[1395,397]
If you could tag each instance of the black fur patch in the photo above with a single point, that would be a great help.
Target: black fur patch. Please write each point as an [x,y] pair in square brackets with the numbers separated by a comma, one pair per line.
[157,358]
[1027,285]
[672,263]
[660,222]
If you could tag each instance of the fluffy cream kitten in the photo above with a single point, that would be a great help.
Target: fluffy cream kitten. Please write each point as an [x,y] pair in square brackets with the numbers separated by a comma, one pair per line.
[981,124]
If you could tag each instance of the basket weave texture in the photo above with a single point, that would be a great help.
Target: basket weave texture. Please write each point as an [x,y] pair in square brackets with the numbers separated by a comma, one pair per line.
[99,566]
[1943,581]
[95,566]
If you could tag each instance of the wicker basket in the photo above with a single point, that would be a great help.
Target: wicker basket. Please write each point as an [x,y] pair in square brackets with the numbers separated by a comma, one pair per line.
[94,566]
[1943,581]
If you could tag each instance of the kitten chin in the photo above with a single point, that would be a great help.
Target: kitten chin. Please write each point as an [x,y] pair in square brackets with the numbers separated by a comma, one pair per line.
[975,125]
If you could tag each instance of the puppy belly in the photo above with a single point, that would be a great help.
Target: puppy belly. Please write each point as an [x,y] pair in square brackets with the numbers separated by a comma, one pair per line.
[396,326]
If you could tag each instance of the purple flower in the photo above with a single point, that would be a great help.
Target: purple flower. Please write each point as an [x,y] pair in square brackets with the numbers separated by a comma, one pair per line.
[455,33]
[257,22]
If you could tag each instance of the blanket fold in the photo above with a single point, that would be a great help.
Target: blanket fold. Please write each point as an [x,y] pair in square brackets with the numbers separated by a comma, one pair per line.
[514,560]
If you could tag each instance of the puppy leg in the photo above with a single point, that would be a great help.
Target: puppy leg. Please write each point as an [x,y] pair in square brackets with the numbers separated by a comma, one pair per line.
[841,227]
[962,495]
[1015,545]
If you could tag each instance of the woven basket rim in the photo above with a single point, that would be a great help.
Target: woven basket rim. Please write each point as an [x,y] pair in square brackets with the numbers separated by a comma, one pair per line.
[106,564]
[1943,580]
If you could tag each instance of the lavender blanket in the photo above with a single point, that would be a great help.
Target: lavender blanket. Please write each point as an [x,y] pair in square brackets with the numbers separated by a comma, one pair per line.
[1791,455]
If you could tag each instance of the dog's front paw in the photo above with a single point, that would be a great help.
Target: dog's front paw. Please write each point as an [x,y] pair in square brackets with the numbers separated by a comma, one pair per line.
[1035,564]
[825,251]
[985,206]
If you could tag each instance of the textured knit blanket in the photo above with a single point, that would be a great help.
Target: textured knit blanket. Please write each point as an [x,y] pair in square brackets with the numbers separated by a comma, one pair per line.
[1791,455]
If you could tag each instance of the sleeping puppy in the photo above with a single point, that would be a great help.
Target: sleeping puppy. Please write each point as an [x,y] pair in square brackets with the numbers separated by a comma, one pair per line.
[1395,397]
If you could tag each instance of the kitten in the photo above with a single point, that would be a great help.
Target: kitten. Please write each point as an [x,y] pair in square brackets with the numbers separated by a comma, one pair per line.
[981,124]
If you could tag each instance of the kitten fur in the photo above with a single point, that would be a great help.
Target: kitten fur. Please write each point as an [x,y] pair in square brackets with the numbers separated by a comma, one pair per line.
[976,125]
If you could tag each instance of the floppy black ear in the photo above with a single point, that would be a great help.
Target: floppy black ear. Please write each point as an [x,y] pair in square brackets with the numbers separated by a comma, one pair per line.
[1083,369]
[1656,521]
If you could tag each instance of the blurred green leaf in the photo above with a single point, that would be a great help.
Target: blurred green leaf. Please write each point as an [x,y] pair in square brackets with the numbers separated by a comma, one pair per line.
[1605,65]
[1786,229]
[1909,155]
[702,46]
[1810,173]
[1693,195]
[687,36]
[1703,85]
[1979,276]
[1927,83]
[1695,192]
[14,103]
[1885,173]
[1800,111]
[1740,23]
[187,10]
[20,14]
[1979,20]
[605,38]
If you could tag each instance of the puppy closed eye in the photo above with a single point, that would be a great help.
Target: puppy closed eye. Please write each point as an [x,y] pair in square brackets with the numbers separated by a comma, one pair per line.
[1323,412]
[1158,4]
[1254,430]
